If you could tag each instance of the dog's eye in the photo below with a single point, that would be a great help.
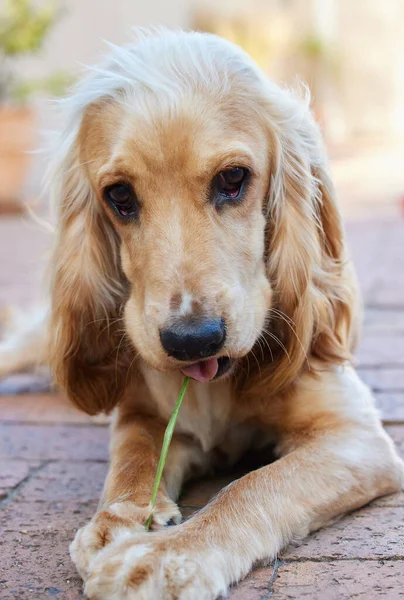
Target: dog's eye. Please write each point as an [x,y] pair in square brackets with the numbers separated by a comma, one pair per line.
[227,185]
[123,199]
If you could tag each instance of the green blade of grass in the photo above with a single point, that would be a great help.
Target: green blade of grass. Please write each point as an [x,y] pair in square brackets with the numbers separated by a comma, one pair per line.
[164,450]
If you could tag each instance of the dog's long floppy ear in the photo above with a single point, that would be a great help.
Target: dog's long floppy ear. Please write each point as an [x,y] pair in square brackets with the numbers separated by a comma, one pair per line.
[305,250]
[88,289]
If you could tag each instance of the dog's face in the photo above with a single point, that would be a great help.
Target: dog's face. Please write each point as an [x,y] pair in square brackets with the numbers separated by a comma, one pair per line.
[185,191]
[194,204]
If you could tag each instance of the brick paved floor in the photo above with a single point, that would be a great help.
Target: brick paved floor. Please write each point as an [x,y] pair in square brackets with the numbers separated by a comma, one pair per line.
[53,458]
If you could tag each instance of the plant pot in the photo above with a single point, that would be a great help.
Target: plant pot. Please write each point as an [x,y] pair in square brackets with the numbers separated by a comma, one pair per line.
[17,135]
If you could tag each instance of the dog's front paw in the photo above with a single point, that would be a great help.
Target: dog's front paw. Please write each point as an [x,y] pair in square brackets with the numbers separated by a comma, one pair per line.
[155,566]
[119,521]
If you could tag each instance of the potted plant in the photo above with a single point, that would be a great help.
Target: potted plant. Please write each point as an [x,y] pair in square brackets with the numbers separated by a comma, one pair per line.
[24,26]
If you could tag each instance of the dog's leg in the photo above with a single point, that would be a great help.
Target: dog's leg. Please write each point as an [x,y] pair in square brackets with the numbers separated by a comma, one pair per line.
[334,457]
[135,448]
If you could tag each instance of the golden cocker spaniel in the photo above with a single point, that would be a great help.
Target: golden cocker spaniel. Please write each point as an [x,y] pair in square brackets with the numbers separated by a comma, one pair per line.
[198,234]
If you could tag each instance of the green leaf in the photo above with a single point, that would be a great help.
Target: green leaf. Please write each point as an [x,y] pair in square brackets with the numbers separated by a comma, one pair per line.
[164,450]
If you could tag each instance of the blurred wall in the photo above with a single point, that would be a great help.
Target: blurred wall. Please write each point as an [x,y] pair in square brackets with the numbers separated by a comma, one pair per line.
[371,36]
[350,52]
[358,79]
[83,24]
[356,73]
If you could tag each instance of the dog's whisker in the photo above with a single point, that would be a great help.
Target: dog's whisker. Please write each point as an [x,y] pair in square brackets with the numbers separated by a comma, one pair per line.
[259,342]
[282,315]
[248,365]
[277,340]
[264,340]
[103,319]
[271,334]
[135,356]
[257,361]
[117,355]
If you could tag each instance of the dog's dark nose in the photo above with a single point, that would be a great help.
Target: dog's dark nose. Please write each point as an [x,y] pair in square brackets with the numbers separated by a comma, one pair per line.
[191,339]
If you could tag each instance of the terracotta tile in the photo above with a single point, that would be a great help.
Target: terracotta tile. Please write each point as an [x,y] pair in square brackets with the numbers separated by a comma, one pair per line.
[383,321]
[256,586]
[25,383]
[48,516]
[381,350]
[13,471]
[37,566]
[396,432]
[342,580]
[54,442]
[25,244]
[391,406]
[390,500]
[383,380]
[367,533]
[44,408]
[65,481]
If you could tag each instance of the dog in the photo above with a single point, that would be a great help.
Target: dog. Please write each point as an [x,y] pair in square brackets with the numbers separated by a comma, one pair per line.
[198,234]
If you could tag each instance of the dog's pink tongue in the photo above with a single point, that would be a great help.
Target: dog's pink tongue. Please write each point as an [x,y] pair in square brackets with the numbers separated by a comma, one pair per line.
[202,371]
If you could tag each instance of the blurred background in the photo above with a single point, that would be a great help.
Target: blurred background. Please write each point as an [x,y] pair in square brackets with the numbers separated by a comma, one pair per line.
[349,53]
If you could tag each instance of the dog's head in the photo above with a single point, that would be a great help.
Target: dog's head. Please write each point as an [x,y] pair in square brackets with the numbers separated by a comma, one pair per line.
[195,218]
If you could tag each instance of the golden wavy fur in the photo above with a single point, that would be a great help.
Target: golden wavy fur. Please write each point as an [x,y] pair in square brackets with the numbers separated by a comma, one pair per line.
[193,93]
[165,115]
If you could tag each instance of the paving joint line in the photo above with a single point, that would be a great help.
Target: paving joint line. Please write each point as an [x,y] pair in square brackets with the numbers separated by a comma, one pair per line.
[60,460]
[384,307]
[53,424]
[21,484]
[325,559]
[380,366]
[270,591]
[377,390]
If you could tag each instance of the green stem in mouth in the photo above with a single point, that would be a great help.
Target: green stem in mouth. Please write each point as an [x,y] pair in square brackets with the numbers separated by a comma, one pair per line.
[164,450]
